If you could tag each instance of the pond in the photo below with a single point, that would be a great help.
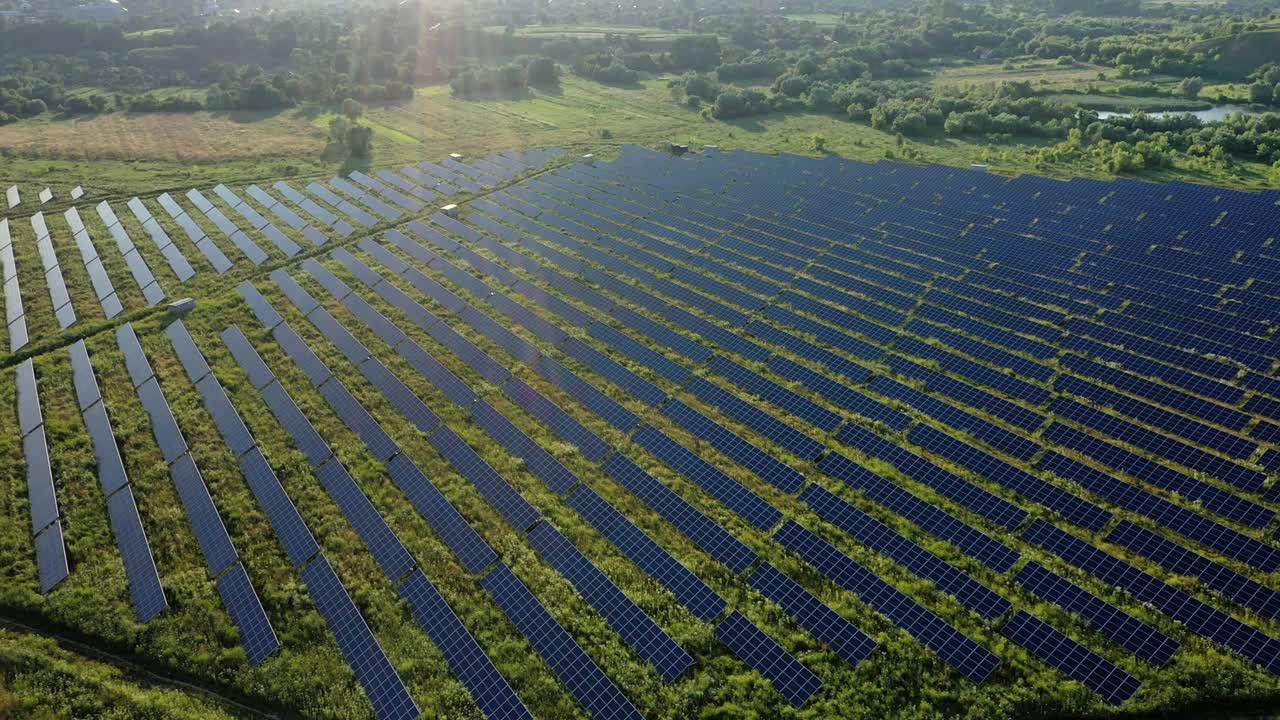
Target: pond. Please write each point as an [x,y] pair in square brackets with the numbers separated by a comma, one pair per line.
[1213,114]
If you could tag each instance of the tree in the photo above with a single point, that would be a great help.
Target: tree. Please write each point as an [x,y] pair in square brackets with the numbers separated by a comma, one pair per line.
[1261,92]
[912,123]
[695,52]
[359,140]
[338,126]
[352,109]
[541,72]
[1190,87]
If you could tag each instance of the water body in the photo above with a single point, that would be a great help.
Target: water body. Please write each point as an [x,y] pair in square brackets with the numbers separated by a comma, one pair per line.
[1213,114]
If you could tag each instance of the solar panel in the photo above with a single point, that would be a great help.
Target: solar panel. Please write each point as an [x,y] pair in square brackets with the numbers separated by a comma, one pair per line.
[796,682]
[51,557]
[29,414]
[762,464]
[948,485]
[874,534]
[40,490]
[1075,509]
[556,419]
[1182,562]
[400,396]
[295,423]
[731,493]
[588,684]
[382,542]
[471,550]
[1076,661]
[466,658]
[811,614]
[1178,605]
[111,474]
[301,354]
[689,590]
[212,535]
[637,351]
[248,359]
[790,402]
[135,551]
[1123,629]
[966,656]
[1193,525]
[985,549]
[358,419]
[256,634]
[591,397]
[628,620]
[163,426]
[704,532]
[755,419]
[386,691]
[505,499]
[294,535]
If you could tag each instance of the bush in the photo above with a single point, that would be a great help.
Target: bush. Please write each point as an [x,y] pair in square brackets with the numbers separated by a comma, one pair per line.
[911,124]
[541,72]
[701,86]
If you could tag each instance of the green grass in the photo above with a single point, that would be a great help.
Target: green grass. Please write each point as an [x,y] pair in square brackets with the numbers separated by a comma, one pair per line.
[593,32]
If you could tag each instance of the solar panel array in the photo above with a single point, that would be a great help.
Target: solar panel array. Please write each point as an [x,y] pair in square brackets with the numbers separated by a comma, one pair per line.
[135,551]
[14,313]
[53,279]
[939,366]
[221,557]
[138,268]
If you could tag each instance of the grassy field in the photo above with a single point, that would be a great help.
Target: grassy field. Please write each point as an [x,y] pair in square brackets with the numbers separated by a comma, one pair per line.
[119,153]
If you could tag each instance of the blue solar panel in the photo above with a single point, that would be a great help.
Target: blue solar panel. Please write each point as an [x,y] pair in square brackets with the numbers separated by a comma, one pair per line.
[383,544]
[788,401]
[505,499]
[883,539]
[1074,660]
[1120,627]
[1178,605]
[212,535]
[755,419]
[585,680]
[466,658]
[293,532]
[135,551]
[796,682]
[1159,444]
[838,393]
[633,384]
[1193,525]
[445,519]
[811,614]
[591,397]
[628,620]
[1077,510]
[386,691]
[703,531]
[358,419]
[51,557]
[689,590]
[985,549]
[992,434]
[40,489]
[1215,499]
[82,377]
[399,395]
[1182,562]
[638,352]
[256,634]
[560,422]
[728,491]
[966,656]
[759,462]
